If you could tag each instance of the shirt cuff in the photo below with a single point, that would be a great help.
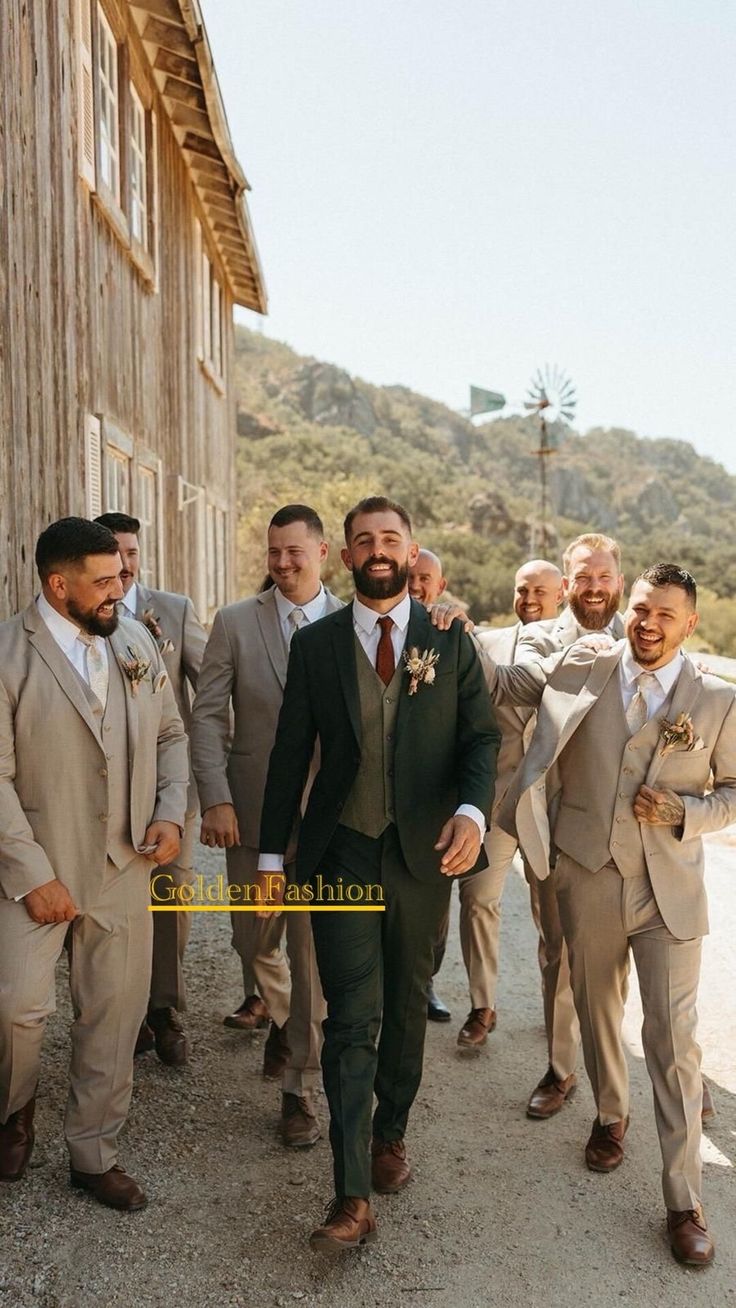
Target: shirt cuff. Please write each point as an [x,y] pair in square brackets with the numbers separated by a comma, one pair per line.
[270,862]
[469,810]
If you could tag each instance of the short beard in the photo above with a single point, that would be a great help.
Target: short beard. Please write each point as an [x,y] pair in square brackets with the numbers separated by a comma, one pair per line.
[90,622]
[381,588]
[599,619]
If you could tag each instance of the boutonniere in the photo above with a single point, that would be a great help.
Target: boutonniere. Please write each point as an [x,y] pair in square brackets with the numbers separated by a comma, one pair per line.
[135,668]
[681,732]
[420,667]
[153,622]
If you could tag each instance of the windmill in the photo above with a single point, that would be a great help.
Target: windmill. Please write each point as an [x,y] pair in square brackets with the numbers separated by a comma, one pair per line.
[551,396]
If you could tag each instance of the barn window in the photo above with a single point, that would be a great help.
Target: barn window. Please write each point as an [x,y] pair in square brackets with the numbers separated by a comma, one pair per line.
[147,512]
[117,480]
[108,113]
[138,171]
[210,302]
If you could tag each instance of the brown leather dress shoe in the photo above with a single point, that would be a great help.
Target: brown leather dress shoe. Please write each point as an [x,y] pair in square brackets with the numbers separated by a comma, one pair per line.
[689,1239]
[348,1224]
[16,1142]
[114,1188]
[172,1045]
[276,1052]
[478,1026]
[251,1016]
[299,1122]
[145,1040]
[390,1170]
[604,1151]
[548,1097]
[708,1111]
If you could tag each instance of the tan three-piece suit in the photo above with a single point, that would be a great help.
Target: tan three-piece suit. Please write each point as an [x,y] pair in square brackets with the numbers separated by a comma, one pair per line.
[180,625]
[236,711]
[79,786]
[622,885]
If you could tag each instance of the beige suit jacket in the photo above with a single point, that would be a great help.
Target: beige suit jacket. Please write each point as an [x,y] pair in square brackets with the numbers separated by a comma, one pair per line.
[565,687]
[516,723]
[53,781]
[244,667]
[540,639]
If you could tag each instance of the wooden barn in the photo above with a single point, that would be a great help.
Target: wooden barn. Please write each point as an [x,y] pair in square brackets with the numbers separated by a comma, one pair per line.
[125,241]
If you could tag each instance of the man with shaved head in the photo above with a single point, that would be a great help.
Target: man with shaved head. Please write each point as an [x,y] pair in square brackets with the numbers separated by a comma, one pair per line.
[537,598]
[426,579]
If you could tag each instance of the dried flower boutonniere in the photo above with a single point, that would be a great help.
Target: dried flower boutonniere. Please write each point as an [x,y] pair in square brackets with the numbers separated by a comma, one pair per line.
[153,622]
[135,668]
[420,667]
[673,734]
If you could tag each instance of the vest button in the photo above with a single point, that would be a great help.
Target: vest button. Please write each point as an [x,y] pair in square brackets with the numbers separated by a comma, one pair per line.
[622,794]
[615,842]
[103,817]
[389,699]
[620,819]
[103,772]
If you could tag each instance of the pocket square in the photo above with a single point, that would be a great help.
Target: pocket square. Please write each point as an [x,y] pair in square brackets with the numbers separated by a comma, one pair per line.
[160,682]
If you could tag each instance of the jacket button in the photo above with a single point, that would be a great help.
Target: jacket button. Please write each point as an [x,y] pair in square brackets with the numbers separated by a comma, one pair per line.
[615,842]
[339,807]
[622,794]
[103,772]
[103,817]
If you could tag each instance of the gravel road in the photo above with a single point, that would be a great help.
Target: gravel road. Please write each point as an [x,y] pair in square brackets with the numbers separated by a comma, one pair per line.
[501,1211]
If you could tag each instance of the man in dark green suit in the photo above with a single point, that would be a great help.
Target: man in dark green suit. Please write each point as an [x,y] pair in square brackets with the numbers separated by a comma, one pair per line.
[401,801]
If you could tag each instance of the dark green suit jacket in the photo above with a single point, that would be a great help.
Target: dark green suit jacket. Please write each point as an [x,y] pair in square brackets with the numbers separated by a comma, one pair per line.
[445,751]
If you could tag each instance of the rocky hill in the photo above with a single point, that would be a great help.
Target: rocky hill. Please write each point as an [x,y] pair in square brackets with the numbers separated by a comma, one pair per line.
[309,431]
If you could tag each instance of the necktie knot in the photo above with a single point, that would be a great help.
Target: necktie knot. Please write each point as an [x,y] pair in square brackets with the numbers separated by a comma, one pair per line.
[386,624]
[296,617]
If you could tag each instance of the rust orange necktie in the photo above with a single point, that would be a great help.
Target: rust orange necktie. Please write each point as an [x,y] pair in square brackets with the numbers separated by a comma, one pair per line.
[385,661]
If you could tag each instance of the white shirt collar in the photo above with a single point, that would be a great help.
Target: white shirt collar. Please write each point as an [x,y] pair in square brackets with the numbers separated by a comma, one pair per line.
[367,618]
[312,610]
[64,631]
[666,676]
[131,599]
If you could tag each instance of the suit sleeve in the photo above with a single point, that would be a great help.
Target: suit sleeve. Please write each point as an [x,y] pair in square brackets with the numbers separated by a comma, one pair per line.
[211,720]
[172,758]
[291,756]
[519,684]
[23,863]
[194,643]
[478,736]
[717,809]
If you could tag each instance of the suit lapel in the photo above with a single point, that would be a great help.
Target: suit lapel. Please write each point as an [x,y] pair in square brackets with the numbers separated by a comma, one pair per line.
[343,639]
[602,670]
[419,633]
[269,625]
[118,648]
[509,656]
[56,660]
[687,689]
[142,601]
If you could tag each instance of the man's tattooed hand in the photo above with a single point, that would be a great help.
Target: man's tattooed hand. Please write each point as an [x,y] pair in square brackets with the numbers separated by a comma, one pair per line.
[660,808]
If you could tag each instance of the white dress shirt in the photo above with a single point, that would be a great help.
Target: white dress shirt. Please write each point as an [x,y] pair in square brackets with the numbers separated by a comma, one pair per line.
[366,628]
[130,599]
[66,635]
[656,694]
[313,610]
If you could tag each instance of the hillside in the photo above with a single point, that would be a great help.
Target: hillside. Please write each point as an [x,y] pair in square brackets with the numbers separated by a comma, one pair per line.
[309,431]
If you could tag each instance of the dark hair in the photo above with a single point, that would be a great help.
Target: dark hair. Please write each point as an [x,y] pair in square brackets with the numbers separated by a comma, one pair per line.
[377,504]
[671,574]
[298,513]
[119,522]
[71,540]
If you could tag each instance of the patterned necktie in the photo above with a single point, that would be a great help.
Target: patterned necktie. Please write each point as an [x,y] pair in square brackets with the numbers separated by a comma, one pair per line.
[296,620]
[637,714]
[385,661]
[97,670]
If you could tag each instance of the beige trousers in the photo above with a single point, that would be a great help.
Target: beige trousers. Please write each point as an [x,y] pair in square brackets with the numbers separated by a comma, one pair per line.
[605,917]
[287,978]
[480,925]
[109,975]
[171,930]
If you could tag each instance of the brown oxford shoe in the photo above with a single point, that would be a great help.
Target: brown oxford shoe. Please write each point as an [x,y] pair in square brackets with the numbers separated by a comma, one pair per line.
[548,1097]
[276,1052]
[171,1043]
[604,1151]
[114,1188]
[390,1170]
[16,1142]
[252,1015]
[478,1026]
[299,1122]
[349,1223]
[689,1239]
[145,1040]
[708,1111]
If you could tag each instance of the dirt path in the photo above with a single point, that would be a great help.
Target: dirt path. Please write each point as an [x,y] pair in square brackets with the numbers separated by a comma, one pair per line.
[502,1210]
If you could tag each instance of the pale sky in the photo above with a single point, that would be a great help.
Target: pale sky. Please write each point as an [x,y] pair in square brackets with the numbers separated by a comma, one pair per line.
[454,194]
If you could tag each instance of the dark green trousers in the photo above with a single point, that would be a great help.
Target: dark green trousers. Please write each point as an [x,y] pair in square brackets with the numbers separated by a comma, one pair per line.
[375,968]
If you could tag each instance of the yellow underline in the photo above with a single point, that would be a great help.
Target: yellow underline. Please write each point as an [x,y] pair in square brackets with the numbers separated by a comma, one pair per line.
[273,908]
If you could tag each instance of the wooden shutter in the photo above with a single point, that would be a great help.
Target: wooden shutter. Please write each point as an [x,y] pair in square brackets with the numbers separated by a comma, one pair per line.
[93,467]
[153,214]
[198,291]
[86,102]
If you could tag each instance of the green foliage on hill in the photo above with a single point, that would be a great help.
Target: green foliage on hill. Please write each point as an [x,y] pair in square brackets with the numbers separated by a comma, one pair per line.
[310,432]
